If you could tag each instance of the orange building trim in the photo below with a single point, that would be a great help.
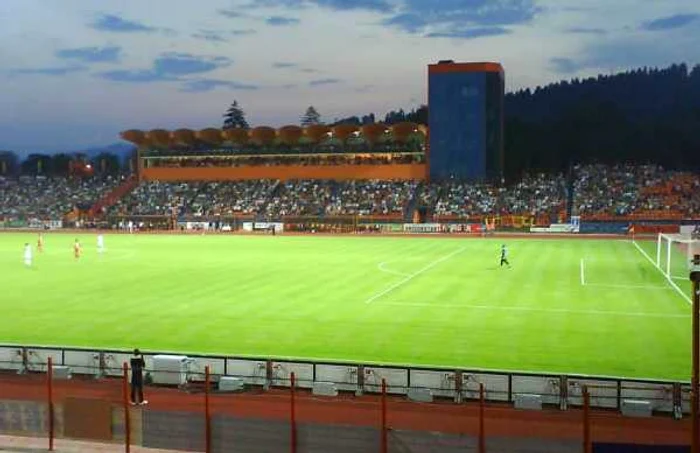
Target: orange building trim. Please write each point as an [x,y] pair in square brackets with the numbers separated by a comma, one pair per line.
[441,68]
[286,172]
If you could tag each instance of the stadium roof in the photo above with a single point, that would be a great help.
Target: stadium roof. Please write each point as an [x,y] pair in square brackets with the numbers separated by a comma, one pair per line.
[264,135]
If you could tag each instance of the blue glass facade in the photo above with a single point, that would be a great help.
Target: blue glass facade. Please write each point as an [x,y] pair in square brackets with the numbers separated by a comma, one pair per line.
[465,119]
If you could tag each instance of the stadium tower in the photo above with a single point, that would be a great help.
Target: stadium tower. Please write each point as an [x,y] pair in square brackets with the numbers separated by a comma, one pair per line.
[465,102]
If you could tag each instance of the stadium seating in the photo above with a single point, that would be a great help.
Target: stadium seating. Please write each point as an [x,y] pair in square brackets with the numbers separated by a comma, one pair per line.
[50,198]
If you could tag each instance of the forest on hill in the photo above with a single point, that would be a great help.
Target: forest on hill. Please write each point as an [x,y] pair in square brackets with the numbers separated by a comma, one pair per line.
[643,115]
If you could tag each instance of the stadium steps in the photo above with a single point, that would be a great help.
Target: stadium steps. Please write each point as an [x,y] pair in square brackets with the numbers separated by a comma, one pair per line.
[411,206]
[570,195]
[113,196]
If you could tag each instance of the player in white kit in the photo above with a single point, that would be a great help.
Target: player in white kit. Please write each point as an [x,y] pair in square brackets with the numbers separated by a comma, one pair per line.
[27,255]
[100,243]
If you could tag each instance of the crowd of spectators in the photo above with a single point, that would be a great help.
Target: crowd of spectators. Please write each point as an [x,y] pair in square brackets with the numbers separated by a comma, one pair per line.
[532,196]
[196,199]
[50,198]
[621,190]
[371,198]
[596,190]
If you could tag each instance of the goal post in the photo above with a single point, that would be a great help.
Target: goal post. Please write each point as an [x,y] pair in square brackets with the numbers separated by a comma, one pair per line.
[674,253]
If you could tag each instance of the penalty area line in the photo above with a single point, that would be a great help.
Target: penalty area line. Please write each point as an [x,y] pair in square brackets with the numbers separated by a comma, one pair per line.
[410,277]
[583,274]
[536,309]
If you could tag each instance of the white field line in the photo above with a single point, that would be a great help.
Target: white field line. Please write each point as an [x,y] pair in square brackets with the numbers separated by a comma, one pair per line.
[381,267]
[583,274]
[535,309]
[673,284]
[603,285]
[410,277]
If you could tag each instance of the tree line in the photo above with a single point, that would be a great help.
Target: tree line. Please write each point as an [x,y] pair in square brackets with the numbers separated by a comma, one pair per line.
[645,115]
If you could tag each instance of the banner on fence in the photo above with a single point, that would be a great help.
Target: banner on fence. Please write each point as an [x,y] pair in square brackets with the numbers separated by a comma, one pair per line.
[45,224]
[263,226]
[557,228]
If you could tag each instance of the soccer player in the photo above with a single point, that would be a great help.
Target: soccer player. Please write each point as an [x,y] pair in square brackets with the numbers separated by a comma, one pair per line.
[40,243]
[27,255]
[100,243]
[504,256]
[77,249]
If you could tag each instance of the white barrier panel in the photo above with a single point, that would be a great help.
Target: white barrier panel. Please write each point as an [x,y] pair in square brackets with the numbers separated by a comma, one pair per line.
[197,369]
[303,374]
[11,358]
[685,399]
[83,362]
[396,380]
[441,383]
[252,372]
[601,393]
[344,376]
[37,359]
[495,386]
[548,387]
[659,395]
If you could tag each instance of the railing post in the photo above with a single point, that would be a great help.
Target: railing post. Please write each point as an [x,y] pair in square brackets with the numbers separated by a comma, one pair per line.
[293,416]
[482,407]
[207,413]
[125,401]
[586,421]
[49,376]
[384,440]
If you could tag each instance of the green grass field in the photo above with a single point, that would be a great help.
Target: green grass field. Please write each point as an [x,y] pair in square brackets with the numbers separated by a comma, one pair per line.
[567,306]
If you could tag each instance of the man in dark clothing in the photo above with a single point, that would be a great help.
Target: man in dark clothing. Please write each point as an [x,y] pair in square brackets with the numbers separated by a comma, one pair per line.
[137,366]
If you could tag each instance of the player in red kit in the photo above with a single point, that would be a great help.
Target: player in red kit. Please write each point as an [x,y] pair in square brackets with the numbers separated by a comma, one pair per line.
[40,243]
[77,249]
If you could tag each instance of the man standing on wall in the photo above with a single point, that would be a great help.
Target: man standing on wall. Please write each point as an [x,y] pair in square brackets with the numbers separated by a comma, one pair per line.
[137,366]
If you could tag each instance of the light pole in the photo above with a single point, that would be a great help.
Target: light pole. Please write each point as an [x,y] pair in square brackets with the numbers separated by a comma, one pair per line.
[695,382]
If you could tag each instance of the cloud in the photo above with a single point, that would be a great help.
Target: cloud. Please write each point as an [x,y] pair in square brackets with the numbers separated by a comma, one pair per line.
[116,24]
[91,54]
[586,31]
[184,64]
[310,71]
[461,18]
[382,6]
[242,32]
[211,36]
[136,76]
[280,21]
[320,82]
[231,13]
[283,65]
[470,33]
[670,22]
[169,67]
[203,85]
[49,71]
[563,65]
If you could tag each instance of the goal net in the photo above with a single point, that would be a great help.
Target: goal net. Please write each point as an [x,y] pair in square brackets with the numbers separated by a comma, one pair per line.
[674,253]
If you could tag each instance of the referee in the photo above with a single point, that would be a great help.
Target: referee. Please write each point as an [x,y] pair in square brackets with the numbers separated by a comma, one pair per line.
[137,366]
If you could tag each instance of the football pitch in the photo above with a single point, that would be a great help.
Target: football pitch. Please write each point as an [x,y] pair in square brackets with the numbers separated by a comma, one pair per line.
[594,307]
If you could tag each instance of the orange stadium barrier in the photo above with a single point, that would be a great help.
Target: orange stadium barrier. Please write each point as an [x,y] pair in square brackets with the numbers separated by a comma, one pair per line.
[287,172]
